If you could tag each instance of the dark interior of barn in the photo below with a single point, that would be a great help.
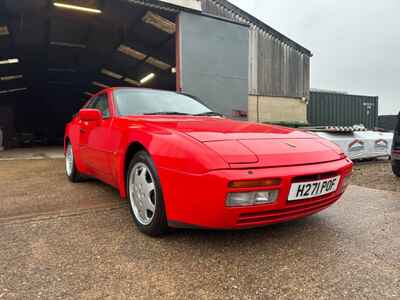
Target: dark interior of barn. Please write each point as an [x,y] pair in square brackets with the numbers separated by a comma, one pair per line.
[55,54]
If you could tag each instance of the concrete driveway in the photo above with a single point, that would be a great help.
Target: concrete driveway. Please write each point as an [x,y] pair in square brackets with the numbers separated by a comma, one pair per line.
[72,250]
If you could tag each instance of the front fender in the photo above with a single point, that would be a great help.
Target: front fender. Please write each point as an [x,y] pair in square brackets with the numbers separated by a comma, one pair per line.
[169,149]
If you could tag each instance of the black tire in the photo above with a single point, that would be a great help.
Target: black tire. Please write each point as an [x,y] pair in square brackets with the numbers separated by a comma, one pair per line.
[396,167]
[158,225]
[72,174]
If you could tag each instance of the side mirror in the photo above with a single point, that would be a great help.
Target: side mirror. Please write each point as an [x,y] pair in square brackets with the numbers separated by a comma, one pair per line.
[90,115]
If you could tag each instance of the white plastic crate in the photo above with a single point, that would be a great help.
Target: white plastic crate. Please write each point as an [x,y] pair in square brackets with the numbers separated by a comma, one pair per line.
[362,144]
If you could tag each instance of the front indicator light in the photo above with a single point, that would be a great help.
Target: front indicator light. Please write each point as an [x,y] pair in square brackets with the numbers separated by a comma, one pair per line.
[251,198]
[254,183]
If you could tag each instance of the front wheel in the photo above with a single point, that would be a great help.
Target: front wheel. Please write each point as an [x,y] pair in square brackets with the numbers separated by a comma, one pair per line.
[70,168]
[396,167]
[145,196]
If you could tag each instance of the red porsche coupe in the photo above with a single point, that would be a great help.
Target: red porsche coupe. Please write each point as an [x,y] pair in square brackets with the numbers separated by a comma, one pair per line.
[182,165]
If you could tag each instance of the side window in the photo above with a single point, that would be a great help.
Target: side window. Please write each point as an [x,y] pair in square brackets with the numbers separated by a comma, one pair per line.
[101,103]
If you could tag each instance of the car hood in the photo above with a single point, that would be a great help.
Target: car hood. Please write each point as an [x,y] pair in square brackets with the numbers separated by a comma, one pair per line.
[207,129]
[246,143]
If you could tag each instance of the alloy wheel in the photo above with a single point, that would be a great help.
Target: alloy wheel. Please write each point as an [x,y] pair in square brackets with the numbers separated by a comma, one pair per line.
[142,191]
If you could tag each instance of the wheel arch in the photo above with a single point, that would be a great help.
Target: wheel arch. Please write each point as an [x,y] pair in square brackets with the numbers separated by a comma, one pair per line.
[133,148]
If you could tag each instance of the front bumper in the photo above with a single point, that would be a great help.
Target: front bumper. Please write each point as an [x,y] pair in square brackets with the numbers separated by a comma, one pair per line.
[199,200]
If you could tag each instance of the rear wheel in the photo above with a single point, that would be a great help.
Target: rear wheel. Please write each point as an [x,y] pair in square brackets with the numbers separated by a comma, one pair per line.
[396,167]
[145,196]
[70,168]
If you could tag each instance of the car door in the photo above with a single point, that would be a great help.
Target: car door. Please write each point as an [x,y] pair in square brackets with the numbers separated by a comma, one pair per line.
[96,152]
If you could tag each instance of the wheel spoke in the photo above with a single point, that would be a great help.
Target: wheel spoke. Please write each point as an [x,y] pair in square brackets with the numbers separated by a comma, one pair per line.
[149,204]
[142,211]
[148,188]
[140,176]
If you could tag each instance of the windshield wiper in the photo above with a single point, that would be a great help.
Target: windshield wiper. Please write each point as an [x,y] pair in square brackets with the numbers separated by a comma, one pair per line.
[210,114]
[167,113]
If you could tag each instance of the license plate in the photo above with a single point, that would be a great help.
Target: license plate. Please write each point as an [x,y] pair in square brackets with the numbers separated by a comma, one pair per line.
[311,189]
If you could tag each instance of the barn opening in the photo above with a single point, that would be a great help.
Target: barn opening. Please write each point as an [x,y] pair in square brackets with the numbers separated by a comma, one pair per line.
[55,54]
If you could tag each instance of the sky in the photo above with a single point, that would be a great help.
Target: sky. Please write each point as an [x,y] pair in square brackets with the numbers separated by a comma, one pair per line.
[355,43]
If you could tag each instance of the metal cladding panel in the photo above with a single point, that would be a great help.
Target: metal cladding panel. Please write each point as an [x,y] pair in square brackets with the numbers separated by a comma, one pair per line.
[335,109]
[282,70]
[278,66]
[214,62]
[226,9]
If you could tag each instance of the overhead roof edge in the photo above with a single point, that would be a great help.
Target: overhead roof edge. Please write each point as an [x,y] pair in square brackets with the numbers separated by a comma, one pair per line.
[228,5]
[157,4]
[162,5]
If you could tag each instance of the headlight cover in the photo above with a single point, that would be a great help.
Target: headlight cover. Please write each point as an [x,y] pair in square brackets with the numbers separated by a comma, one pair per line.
[239,199]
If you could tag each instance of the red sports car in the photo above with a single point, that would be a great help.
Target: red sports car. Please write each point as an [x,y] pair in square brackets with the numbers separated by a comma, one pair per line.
[182,165]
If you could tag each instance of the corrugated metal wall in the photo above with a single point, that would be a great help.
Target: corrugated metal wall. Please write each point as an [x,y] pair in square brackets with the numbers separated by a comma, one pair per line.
[277,65]
[334,109]
[282,70]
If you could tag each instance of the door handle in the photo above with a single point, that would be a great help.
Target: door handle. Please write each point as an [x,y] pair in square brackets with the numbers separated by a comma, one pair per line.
[82,130]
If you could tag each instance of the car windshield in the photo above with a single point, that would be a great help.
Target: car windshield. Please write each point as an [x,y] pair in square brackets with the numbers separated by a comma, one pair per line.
[130,102]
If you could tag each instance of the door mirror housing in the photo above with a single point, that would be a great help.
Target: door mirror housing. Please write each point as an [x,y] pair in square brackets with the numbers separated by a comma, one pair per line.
[90,115]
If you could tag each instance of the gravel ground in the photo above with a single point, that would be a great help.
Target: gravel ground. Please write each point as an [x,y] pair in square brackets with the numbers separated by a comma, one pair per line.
[76,241]
[349,251]
[32,153]
[36,187]
[376,175]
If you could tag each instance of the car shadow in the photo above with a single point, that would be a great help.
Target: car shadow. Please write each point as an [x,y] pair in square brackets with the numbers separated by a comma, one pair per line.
[315,229]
